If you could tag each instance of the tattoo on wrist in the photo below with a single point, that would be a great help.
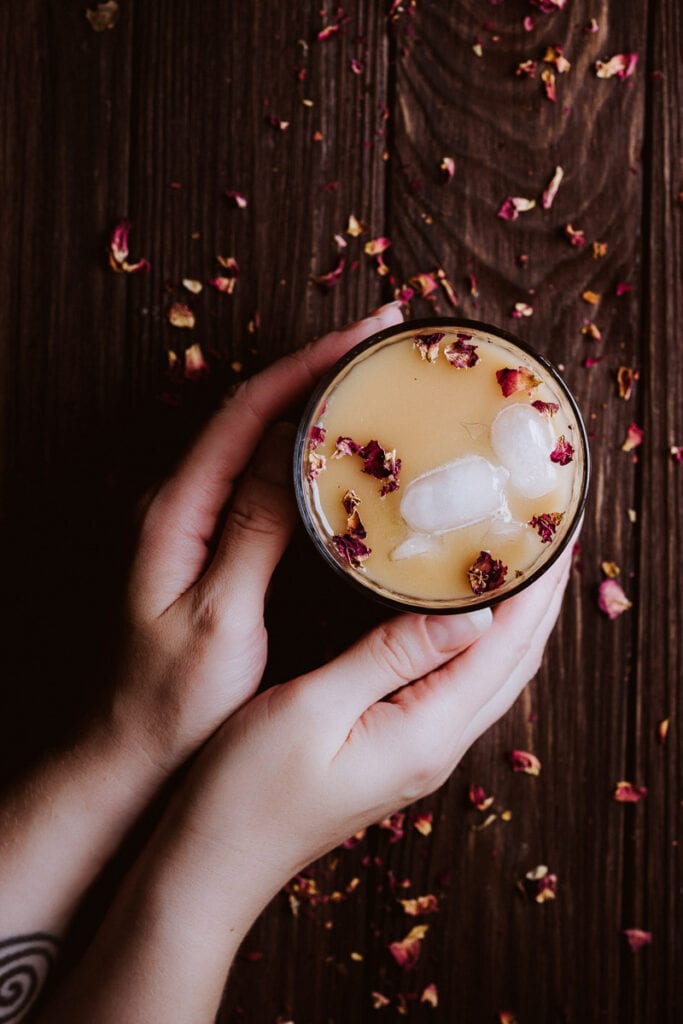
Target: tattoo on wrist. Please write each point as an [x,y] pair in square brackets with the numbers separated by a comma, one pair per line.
[25,962]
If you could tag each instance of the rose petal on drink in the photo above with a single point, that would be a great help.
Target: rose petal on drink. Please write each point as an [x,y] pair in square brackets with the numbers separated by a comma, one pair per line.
[546,525]
[415,544]
[458,494]
[352,549]
[428,345]
[519,379]
[545,408]
[460,354]
[486,573]
[522,441]
[563,452]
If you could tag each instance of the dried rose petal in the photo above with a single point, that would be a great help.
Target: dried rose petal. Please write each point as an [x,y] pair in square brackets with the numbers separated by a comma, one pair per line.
[447,286]
[195,363]
[519,379]
[575,236]
[350,501]
[118,251]
[592,298]
[376,245]
[634,438]
[394,824]
[316,437]
[428,345]
[637,938]
[622,64]
[330,279]
[180,315]
[317,464]
[447,165]
[548,79]
[424,284]
[592,27]
[230,265]
[523,761]
[627,793]
[551,191]
[406,953]
[513,206]
[382,465]
[623,288]
[486,573]
[105,17]
[507,1017]
[192,286]
[238,198]
[379,1001]
[599,250]
[555,55]
[420,905]
[474,290]
[626,377]
[541,884]
[611,599]
[663,730]
[275,122]
[223,284]
[676,452]
[354,526]
[430,996]
[478,798]
[546,525]
[526,67]
[354,227]
[610,569]
[545,408]
[563,452]
[382,268]
[522,309]
[529,24]
[328,32]
[590,330]
[460,354]
[356,66]
[423,823]
[549,6]
[352,549]
[345,446]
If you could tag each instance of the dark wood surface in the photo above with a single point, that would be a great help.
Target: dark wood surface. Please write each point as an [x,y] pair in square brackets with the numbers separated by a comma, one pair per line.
[154,120]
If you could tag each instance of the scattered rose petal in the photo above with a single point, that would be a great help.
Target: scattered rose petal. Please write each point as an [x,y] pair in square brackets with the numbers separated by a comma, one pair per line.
[548,79]
[316,437]
[627,793]
[424,284]
[549,6]
[563,452]
[340,242]
[356,66]
[428,345]
[622,64]
[180,315]
[526,68]
[474,290]
[523,761]
[610,569]
[591,361]
[118,251]
[447,165]
[192,286]
[529,23]
[663,730]
[354,526]
[592,298]
[382,268]
[354,227]
[623,288]
[575,236]
[507,1017]
[394,824]
[551,191]
[352,549]
[430,996]
[634,438]
[477,49]
[611,598]
[546,408]
[592,27]
[486,573]
[379,1001]
[637,938]
[599,250]
[104,16]
[423,823]
[317,464]
[546,525]
[406,953]
[376,245]
[230,265]
[541,884]
[328,32]
[332,278]
[420,905]
[590,330]
[275,122]
[513,206]
[237,198]
[478,798]
[522,309]
[512,380]
[676,453]
[223,284]
[523,260]
[447,286]
[195,363]
[626,377]
[555,55]
[460,354]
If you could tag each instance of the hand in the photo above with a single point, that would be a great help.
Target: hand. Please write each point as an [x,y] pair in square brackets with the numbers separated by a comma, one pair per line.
[304,765]
[196,643]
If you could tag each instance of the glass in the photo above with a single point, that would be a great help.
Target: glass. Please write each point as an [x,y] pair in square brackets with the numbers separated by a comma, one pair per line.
[441,466]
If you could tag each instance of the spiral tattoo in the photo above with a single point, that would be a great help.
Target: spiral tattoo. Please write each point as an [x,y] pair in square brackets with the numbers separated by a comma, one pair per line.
[25,962]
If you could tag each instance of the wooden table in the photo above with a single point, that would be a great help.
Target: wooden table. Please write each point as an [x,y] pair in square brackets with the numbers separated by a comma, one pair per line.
[154,120]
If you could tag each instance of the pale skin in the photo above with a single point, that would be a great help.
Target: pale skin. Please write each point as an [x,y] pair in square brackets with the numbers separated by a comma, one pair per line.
[283,776]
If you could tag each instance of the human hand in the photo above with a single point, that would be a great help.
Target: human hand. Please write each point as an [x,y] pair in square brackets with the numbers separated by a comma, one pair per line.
[304,765]
[196,642]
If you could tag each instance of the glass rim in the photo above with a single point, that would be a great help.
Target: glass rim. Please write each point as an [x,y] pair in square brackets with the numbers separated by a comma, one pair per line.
[301,442]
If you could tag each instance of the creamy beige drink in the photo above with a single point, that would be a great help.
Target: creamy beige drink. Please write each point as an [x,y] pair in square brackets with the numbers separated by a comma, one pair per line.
[442,467]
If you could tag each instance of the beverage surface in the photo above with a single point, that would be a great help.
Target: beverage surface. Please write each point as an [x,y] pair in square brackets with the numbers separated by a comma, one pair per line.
[441,466]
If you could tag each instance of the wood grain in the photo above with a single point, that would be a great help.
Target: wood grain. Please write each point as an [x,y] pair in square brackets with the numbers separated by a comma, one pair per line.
[154,121]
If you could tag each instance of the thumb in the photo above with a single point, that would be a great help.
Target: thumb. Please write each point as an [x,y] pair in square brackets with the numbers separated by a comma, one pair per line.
[258,528]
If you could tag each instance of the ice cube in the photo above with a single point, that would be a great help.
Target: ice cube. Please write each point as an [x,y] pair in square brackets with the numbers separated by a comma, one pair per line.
[458,494]
[523,441]
[415,544]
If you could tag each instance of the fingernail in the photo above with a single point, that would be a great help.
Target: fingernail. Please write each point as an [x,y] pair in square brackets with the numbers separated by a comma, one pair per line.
[450,631]
[273,458]
[396,304]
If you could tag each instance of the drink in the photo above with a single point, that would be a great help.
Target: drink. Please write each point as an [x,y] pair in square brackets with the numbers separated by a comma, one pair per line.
[442,465]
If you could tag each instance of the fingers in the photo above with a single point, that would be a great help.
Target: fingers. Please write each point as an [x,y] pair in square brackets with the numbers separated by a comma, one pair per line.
[393,654]
[258,528]
[181,520]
